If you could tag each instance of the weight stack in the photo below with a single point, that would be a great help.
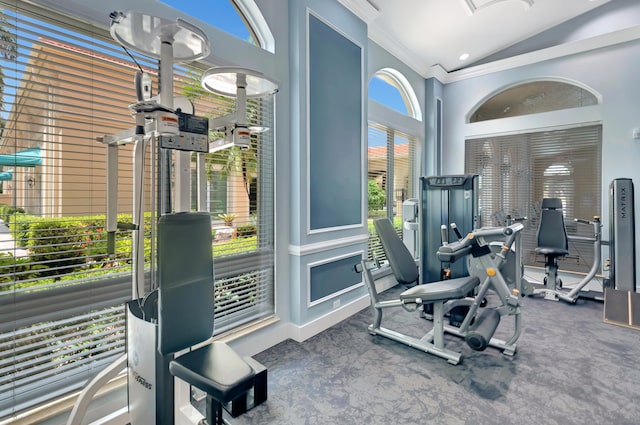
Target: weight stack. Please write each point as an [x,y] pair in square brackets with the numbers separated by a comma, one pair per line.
[622,235]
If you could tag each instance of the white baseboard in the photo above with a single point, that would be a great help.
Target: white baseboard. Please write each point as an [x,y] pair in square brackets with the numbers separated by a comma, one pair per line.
[306,331]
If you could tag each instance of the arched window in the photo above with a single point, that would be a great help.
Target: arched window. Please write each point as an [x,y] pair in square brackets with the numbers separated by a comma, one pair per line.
[531,98]
[241,18]
[390,88]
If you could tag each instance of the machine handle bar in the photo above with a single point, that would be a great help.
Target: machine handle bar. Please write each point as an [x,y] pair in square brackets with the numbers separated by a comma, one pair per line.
[596,220]
[454,250]
[443,235]
[454,226]
[498,231]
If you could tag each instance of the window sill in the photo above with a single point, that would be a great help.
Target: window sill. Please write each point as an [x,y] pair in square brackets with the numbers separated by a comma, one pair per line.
[62,405]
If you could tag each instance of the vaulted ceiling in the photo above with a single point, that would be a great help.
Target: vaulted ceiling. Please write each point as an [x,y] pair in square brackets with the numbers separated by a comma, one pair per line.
[433,35]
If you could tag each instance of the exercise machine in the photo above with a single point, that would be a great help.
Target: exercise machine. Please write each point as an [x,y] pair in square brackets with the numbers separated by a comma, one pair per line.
[553,242]
[485,277]
[622,295]
[445,200]
[622,246]
[411,226]
[169,351]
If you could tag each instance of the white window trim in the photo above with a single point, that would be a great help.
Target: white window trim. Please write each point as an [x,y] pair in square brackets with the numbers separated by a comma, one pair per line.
[258,24]
[406,90]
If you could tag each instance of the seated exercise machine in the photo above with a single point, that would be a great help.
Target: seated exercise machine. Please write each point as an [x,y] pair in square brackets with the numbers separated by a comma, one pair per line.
[169,329]
[553,242]
[484,265]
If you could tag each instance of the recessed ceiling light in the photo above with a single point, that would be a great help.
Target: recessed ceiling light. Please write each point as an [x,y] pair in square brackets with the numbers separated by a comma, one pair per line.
[464,56]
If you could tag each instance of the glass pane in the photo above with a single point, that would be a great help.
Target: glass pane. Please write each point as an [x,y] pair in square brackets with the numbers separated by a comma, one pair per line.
[386,93]
[402,172]
[61,294]
[377,172]
[221,14]
[532,98]
[518,171]
[391,172]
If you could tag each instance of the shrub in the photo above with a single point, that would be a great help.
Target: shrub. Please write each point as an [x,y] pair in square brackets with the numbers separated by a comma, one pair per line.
[8,211]
[246,230]
[16,269]
[56,244]
[377,213]
[376,196]
[235,246]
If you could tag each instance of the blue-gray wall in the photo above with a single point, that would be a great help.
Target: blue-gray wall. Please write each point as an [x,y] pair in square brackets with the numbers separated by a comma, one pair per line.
[326,238]
[612,73]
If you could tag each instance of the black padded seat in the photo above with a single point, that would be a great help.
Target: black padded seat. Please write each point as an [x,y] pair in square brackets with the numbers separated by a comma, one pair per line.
[215,369]
[546,250]
[552,233]
[440,291]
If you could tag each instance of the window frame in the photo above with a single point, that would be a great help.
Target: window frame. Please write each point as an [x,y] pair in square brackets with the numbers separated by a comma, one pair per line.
[21,308]
[398,81]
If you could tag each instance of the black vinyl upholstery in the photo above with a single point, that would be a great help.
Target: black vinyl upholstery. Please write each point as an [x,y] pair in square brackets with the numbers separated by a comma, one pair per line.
[216,369]
[185,274]
[552,233]
[406,271]
[402,263]
[186,313]
[440,291]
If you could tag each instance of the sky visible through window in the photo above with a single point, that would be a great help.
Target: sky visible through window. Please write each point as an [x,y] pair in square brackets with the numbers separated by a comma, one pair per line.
[219,13]
[388,95]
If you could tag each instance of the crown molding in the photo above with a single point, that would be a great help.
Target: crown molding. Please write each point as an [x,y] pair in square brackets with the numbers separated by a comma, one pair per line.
[561,50]
[397,49]
[437,72]
[363,9]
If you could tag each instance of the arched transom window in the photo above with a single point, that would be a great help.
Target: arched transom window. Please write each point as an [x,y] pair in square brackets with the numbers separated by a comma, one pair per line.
[241,18]
[390,88]
[533,97]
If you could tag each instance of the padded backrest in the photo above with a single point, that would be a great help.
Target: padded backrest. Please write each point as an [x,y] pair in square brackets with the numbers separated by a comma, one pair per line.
[552,232]
[400,259]
[185,276]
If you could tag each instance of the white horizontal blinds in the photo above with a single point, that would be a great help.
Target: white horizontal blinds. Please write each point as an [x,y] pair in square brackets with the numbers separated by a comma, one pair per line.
[60,294]
[391,164]
[518,171]
[573,175]
[377,171]
[244,265]
[240,198]
[403,170]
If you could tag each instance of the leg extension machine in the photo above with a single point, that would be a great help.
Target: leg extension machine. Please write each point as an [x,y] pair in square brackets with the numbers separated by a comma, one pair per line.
[479,324]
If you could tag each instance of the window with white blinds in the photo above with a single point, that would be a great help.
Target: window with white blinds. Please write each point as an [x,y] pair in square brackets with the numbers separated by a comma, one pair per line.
[391,174]
[65,83]
[518,171]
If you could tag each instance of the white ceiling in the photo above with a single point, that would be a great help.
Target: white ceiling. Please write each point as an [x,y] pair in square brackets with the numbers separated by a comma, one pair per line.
[427,33]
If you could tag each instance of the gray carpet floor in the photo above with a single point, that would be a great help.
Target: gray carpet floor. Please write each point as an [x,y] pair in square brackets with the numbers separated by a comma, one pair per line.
[569,368]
